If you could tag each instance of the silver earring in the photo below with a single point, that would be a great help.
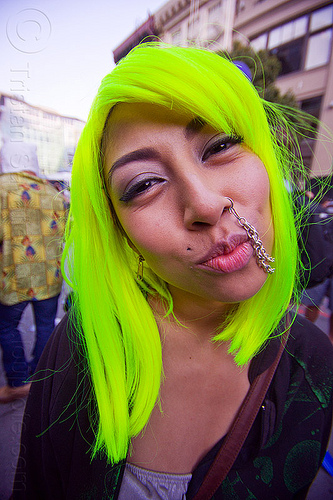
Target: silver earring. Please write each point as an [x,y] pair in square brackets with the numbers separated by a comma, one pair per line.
[139,273]
[262,256]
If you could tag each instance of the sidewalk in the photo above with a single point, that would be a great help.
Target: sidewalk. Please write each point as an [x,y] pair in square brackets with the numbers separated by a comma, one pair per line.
[11,418]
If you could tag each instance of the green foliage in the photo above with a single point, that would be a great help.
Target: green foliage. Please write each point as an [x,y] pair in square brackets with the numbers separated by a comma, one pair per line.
[265,69]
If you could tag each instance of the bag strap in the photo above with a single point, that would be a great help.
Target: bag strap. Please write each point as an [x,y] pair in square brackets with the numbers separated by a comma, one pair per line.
[240,427]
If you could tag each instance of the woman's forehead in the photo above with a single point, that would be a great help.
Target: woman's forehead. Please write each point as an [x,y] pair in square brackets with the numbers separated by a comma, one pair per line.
[133,115]
[150,112]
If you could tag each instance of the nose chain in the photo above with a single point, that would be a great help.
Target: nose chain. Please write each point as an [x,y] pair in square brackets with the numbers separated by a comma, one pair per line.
[262,256]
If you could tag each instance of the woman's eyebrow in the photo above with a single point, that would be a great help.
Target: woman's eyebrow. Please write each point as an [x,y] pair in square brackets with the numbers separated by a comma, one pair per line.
[139,154]
[194,127]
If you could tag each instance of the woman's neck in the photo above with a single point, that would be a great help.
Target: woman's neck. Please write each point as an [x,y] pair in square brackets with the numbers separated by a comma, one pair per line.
[191,314]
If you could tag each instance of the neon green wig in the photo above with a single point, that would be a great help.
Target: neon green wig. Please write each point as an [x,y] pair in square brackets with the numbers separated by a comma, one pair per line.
[117,328]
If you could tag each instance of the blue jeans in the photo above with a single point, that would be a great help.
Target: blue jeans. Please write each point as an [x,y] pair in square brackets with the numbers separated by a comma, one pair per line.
[16,367]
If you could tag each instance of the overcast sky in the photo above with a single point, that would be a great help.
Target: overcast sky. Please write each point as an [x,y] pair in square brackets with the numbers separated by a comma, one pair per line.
[54,53]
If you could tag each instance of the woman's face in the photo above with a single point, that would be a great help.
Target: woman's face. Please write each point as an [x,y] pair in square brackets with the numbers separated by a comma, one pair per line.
[169,177]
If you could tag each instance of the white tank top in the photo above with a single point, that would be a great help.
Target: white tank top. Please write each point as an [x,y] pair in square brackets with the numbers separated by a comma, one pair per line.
[144,484]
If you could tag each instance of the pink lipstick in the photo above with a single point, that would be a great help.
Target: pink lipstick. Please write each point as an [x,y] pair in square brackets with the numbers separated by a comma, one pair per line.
[229,257]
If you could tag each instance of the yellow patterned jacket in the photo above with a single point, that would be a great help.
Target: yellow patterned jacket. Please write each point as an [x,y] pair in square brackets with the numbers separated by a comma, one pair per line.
[32,221]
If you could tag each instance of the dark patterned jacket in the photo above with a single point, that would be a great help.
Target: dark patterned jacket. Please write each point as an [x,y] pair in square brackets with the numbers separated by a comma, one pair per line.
[279,459]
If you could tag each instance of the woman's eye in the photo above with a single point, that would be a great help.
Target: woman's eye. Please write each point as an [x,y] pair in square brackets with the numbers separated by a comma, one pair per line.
[139,188]
[219,145]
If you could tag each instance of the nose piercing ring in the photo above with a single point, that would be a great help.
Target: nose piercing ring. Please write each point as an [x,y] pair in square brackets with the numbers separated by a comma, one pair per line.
[262,256]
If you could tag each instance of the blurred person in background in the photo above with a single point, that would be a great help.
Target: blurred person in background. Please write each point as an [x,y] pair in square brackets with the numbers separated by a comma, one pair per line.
[32,220]
[319,246]
[313,299]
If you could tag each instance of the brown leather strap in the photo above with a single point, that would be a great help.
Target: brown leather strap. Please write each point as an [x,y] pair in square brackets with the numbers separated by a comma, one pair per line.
[240,428]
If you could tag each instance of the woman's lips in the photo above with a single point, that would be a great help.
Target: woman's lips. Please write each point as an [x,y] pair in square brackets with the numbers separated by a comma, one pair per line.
[231,261]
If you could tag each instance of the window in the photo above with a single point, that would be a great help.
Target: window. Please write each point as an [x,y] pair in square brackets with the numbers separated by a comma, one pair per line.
[214,12]
[215,16]
[303,43]
[287,32]
[312,106]
[193,28]
[321,18]
[176,37]
[319,48]
[260,43]
[289,56]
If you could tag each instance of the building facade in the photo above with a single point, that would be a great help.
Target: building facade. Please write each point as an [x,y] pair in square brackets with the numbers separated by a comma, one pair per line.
[55,136]
[298,32]
[205,23]
[146,31]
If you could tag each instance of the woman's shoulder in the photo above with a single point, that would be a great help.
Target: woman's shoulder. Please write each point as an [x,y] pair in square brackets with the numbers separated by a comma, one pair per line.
[62,345]
[58,435]
[306,341]
[59,335]
[60,365]
[310,355]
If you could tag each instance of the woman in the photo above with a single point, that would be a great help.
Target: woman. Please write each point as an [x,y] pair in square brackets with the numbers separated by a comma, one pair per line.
[178,209]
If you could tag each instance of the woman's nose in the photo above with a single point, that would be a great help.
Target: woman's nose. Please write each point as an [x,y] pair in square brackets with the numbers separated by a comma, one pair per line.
[204,203]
